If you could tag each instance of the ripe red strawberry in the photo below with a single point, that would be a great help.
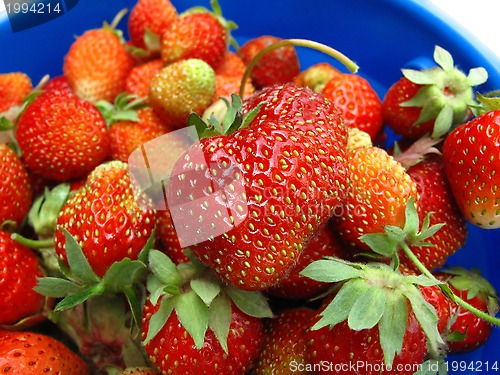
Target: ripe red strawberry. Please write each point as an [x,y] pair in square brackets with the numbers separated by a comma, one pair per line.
[15,187]
[97,64]
[231,65]
[57,83]
[357,101]
[377,191]
[376,321]
[285,342]
[276,67]
[61,136]
[263,190]
[442,304]
[431,101]
[316,76]
[180,88]
[19,269]
[105,219]
[198,35]
[168,237]
[435,196]
[34,353]
[227,85]
[295,286]
[470,155]
[137,81]
[466,330]
[148,21]
[14,87]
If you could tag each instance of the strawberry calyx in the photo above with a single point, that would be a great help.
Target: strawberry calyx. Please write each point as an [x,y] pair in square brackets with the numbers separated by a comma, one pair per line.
[374,294]
[79,282]
[446,94]
[124,108]
[417,151]
[192,289]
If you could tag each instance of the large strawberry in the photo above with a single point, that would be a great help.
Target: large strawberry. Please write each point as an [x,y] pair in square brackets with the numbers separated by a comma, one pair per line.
[97,63]
[15,188]
[263,190]
[432,100]
[61,136]
[471,155]
[34,353]
[19,269]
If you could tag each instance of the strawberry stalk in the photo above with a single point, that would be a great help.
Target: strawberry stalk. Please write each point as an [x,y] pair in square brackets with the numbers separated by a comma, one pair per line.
[351,65]
[447,291]
[33,244]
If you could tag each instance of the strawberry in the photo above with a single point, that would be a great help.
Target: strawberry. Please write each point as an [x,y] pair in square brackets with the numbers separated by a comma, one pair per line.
[227,85]
[231,65]
[137,81]
[57,83]
[470,156]
[466,330]
[61,136]
[97,63]
[14,87]
[181,88]
[276,67]
[357,102]
[34,353]
[316,76]
[377,190]
[224,338]
[105,219]
[435,196]
[15,187]
[19,270]
[280,176]
[168,237]
[285,342]
[148,21]
[376,321]
[432,100]
[295,286]
[198,35]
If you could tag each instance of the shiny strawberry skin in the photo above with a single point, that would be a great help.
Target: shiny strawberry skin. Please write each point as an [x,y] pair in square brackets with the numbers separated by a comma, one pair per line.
[471,154]
[105,219]
[195,35]
[435,196]
[96,65]
[19,270]
[357,101]
[15,188]
[25,352]
[276,67]
[290,168]
[61,136]
[173,350]
[168,237]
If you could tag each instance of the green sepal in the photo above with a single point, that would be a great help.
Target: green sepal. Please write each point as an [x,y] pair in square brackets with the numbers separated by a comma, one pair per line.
[124,108]
[123,274]
[159,318]
[206,287]
[193,315]
[56,287]
[433,366]
[251,303]
[489,102]
[443,58]
[163,268]
[79,297]
[411,218]
[152,41]
[5,124]
[368,308]
[219,319]
[380,243]
[456,336]
[443,121]
[392,327]
[330,270]
[78,263]
[477,76]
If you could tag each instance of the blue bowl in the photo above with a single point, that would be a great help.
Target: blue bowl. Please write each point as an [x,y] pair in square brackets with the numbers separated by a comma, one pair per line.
[381,36]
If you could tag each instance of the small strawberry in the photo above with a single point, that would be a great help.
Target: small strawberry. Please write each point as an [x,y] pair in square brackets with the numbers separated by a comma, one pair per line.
[15,188]
[105,219]
[148,21]
[276,67]
[285,342]
[262,190]
[57,83]
[471,155]
[34,353]
[295,286]
[14,87]
[97,63]
[376,317]
[357,101]
[19,269]
[181,88]
[432,100]
[466,330]
[377,191]
[137,81]
[225,337]
[61,136]
[227,85]
[231,65]
[195,34]
[316,76]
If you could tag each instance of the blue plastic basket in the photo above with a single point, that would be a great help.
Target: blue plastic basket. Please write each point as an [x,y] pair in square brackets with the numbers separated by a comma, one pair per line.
[381,36]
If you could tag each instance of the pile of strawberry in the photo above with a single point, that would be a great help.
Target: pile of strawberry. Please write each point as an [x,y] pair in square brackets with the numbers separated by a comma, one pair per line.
[279,233]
